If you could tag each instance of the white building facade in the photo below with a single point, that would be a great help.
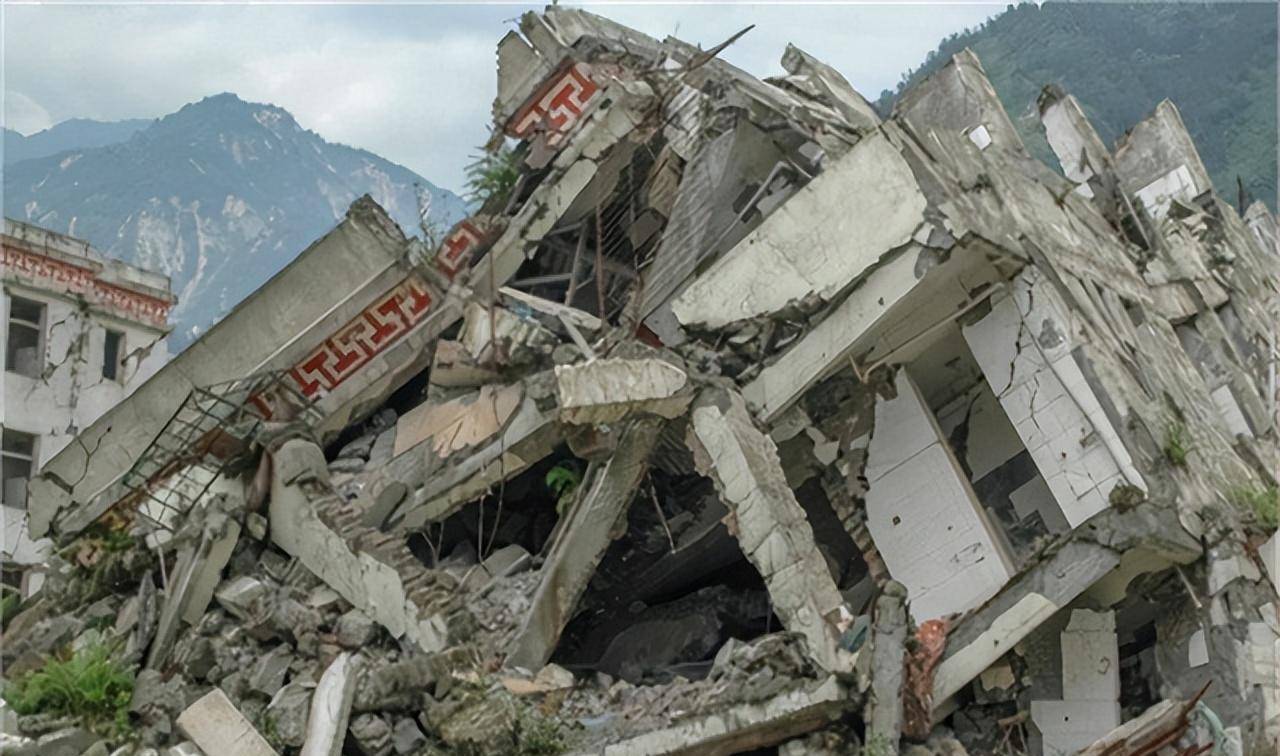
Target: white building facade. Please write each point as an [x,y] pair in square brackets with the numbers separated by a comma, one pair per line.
[80,333]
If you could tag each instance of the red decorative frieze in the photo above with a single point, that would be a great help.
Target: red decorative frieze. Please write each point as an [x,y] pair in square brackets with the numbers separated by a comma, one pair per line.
[458,247]
[67,278]
[375,329]
[557,105]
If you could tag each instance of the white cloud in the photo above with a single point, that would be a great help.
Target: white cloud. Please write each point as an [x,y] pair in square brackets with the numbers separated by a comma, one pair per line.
[23,114]
[411,83]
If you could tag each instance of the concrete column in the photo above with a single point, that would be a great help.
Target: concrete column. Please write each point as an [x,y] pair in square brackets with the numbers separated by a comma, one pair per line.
[888,649]
[769,523]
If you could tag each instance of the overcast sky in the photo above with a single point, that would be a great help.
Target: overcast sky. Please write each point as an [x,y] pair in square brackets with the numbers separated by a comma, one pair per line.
[412,83]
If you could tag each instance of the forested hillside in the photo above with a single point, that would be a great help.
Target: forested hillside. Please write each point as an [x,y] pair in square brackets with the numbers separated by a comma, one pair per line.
[1216,62]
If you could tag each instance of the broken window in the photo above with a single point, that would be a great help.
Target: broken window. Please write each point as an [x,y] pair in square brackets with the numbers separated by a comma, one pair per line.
[24,353]
[18,464]
[112,355]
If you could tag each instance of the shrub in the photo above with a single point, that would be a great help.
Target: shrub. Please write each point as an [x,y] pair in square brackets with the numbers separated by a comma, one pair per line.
[1263,502]
[1175,445]
[88,685]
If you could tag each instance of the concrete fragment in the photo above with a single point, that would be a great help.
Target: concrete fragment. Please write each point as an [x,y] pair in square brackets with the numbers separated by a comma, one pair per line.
[740,728]
[354,629]
[592,523]
[331,708]
[289,710]
[460,424]
[238,594]
[769,523]
[299,487]
[608,390]
[217,726]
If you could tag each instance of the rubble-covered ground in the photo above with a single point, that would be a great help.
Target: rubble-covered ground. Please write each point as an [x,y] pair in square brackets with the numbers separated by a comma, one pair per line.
[737,420]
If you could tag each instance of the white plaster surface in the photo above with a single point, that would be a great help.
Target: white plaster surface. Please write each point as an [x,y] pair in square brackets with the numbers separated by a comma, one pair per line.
[923,515]
[1047,399]
[829,342]
[831,231]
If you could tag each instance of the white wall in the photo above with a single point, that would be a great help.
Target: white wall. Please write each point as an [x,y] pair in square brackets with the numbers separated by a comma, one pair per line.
[1024,348]
[922,513]
[72,391]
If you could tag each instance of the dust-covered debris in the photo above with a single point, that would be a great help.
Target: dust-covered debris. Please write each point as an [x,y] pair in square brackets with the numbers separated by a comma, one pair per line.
[742,420]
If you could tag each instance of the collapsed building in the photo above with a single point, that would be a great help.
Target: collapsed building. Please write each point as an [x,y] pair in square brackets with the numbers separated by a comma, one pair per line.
[745,420]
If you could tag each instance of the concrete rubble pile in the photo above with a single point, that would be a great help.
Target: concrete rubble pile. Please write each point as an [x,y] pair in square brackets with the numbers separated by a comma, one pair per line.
[746,421]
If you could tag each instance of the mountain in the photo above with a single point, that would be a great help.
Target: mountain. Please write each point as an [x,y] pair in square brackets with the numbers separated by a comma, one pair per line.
[220,196]
[74,134]
[1215,61]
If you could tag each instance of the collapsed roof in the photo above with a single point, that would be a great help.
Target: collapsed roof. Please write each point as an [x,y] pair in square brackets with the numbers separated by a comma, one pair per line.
[773,423]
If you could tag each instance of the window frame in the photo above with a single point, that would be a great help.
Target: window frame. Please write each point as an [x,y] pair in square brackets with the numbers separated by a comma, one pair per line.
[31,461]
[118,366]
[37,326]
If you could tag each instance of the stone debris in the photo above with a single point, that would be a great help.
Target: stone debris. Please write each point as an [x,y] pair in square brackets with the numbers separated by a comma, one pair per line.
[746,421]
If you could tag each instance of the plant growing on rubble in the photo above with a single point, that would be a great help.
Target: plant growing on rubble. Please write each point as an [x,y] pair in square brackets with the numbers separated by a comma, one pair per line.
[492,174]
[563,481]
[1175,445]
[1263,502]
[89,685]
[878,745]
[538,736]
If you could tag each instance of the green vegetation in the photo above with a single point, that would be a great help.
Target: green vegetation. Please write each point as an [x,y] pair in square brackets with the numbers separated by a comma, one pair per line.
[538,736]
[88,685]
[1175,445]
[493,175]
[1263,502]
[878,745]
[1215,61]
[563,481]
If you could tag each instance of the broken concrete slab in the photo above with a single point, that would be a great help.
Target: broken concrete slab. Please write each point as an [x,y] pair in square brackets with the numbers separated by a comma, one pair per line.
[590,526]
[813,246]
[217,726]
[610,389]
[331,708]
[300,486]
[768,521]
[740,728]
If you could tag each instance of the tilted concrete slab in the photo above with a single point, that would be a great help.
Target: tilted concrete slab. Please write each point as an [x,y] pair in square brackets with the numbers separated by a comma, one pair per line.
[770,524]
[833,230]
[299,488]
[595,520]
[329,282]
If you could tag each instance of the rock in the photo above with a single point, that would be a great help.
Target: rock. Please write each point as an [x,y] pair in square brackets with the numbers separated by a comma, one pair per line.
[372,734]
[350,465]
[71,741]
[238,595]
[354,629]
[256,525]
[288,712]
[270,670]
[185,749]
[358,449]
[406,736]
[383,448]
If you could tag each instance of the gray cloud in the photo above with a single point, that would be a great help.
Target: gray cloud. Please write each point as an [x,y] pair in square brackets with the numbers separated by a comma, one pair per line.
[412,83]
